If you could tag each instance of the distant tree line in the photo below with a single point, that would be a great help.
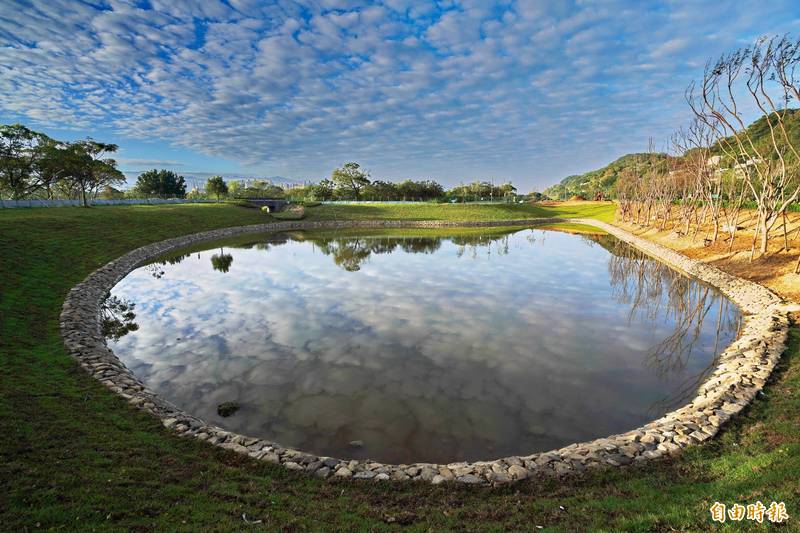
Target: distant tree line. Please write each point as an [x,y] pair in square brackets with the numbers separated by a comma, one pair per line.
[33,165]
[352,182]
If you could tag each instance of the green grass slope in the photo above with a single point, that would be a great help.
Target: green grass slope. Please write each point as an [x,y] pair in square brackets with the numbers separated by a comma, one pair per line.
[460,212]
[74,456]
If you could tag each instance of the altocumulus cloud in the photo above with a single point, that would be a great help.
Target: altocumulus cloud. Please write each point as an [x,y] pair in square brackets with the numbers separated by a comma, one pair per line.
[451,89]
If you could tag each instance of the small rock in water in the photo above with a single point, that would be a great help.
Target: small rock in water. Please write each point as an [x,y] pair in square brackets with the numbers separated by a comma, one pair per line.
[357,443]
[227,408]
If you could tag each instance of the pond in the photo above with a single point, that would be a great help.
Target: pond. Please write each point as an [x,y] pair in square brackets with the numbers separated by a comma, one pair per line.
[419,345]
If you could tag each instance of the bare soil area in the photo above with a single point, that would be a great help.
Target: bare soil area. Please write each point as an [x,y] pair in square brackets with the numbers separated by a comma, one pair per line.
[775,270]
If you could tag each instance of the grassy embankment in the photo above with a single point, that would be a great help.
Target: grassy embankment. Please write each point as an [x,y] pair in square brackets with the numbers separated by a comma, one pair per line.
[75,456]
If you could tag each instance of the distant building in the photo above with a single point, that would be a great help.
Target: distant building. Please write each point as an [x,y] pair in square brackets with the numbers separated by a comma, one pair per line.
[748,163]
[739,168]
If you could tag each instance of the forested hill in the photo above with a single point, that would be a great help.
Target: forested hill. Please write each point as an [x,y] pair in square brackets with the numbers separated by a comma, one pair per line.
[601,180]
[759,132]
[604,179]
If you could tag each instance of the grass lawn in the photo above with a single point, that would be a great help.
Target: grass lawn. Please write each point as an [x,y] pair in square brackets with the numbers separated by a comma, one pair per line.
[600,211]
[75,456]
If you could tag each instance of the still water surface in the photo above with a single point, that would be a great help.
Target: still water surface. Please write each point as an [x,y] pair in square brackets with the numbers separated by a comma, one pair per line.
[420,345]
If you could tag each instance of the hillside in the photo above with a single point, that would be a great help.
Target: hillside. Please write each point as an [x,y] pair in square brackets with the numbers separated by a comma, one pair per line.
[760,134]
[604,179]
[601,180]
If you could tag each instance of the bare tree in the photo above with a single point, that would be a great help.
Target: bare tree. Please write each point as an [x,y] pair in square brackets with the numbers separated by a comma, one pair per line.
[766,73]
[771,84]
[688,170]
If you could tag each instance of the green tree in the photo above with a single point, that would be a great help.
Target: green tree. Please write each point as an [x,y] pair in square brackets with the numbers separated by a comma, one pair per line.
[196,194]
[507,189]
[85,170]
[236,188]
[21,150]
[52,168]
[431,190]
[161,183]
[261,189]
[380,190]
[408,190]
[216,186]
[299,194]
[111,193]
[323,190]
[535,196]
[351,178]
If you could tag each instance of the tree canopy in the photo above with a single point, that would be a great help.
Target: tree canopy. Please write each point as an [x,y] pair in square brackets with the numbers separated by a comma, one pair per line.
[216,186]
[22,150]
[254,189]
[33,164]
[352,178]
[87,172]
[161,183]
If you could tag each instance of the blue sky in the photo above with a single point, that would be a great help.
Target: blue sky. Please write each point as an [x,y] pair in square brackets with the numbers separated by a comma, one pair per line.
[452,90]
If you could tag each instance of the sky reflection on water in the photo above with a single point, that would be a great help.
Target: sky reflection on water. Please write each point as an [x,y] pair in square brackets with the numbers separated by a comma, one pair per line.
[431,348]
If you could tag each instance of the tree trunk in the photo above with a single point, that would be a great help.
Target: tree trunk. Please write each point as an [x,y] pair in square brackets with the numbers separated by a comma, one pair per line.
[785,233]
[733,231]
[755,238]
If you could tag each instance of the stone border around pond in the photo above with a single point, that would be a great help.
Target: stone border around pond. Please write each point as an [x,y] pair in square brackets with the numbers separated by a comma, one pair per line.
[741,372]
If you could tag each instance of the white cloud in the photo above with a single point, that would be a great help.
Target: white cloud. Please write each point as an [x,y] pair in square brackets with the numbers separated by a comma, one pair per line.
[148,162]
[671,47]
[506,89]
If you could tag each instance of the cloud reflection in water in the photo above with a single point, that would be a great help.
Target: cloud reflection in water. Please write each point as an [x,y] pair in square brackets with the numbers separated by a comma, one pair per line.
[425,348]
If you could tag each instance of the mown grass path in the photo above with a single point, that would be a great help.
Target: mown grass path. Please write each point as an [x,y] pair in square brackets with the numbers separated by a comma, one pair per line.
[74,456]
